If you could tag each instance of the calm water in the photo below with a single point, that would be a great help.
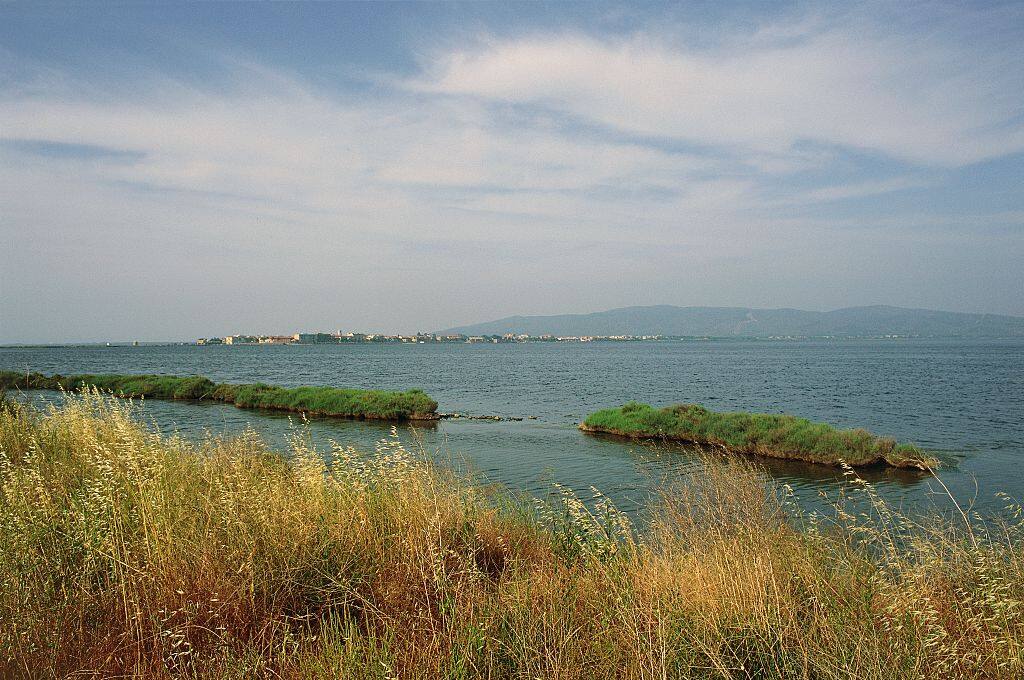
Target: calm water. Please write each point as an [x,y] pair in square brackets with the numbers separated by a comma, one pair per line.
[964,400]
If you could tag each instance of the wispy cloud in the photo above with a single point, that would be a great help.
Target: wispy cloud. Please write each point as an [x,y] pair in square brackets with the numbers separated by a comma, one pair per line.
[553,167]
[924,98]
[854,190]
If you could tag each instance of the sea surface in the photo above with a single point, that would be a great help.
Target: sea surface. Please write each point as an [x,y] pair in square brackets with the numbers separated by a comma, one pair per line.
[963,400]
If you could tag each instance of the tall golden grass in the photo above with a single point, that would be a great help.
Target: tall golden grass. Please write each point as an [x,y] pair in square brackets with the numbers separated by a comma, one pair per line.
[128,553]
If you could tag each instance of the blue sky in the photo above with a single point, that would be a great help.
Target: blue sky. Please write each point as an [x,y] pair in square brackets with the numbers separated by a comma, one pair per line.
[175,171]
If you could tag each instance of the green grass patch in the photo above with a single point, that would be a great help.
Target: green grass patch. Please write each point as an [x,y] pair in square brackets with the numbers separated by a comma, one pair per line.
[778,436]
[332,401]
[326,401]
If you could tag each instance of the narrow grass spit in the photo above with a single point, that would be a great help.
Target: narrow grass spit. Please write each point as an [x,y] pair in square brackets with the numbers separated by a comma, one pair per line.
[763,434]
[126,553]
[325,401]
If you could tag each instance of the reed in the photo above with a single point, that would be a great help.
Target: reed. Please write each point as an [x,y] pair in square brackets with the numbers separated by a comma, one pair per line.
[125,553]
[764,434]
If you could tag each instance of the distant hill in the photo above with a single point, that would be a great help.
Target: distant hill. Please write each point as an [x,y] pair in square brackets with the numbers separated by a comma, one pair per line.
[754,323]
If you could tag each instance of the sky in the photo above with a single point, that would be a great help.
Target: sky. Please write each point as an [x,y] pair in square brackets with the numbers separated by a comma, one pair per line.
[169,172]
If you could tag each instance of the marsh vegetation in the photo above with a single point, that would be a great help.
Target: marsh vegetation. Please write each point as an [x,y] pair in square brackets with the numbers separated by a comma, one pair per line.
[323,401]
[764,434]
[127,553]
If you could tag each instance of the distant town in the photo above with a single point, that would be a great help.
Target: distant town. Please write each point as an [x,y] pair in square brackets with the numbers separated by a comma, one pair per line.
[420,338]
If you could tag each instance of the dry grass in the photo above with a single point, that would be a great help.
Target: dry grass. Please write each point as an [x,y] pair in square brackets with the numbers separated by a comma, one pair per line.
[125,553]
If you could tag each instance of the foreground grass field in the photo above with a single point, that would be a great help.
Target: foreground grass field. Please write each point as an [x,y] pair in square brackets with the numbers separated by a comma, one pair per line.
[763,434]
[324,401]
[126,553]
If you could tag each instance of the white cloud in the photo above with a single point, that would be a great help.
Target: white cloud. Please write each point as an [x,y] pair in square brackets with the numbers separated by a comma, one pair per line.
[921,98]
[854,190]
[477,185]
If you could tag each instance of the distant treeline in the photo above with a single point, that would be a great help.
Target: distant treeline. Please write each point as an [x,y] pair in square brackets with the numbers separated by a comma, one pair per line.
[326,401]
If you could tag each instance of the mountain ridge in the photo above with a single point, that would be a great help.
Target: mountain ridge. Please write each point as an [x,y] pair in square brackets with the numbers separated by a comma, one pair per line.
[750,322]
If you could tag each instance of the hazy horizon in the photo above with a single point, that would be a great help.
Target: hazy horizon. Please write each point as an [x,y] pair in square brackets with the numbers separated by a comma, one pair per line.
[376,329]
[172,172]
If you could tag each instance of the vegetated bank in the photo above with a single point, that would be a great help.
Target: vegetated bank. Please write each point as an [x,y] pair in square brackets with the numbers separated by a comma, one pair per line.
[763,434]
[124,553]
[320,401]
